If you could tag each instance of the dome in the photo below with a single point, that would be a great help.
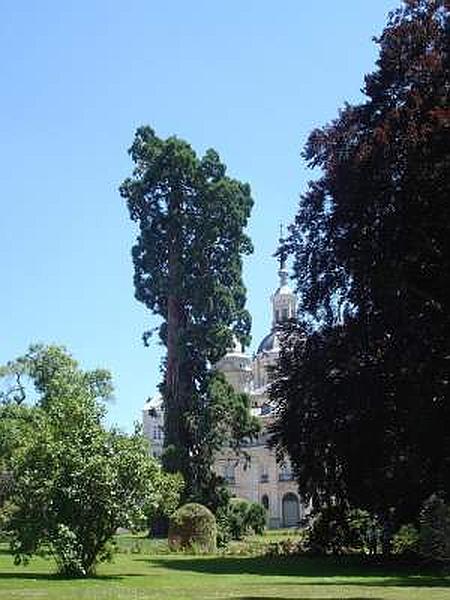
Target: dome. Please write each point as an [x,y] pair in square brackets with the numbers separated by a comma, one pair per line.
[269,343]
[284,290]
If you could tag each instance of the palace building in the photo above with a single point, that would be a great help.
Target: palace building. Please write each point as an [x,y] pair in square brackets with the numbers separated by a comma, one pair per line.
[257,476]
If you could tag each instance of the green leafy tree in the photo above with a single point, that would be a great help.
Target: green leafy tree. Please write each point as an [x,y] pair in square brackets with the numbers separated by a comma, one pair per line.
[188,270]
[362,384]
[73,482]
[168,489]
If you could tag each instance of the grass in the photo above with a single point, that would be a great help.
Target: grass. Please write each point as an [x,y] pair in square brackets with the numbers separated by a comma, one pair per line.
[143,571]
[128,543]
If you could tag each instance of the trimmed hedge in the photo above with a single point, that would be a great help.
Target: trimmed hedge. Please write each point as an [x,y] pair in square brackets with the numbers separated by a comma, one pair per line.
[193,527]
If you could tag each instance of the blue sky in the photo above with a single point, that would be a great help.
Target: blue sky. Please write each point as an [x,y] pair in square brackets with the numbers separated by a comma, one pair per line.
[249,78]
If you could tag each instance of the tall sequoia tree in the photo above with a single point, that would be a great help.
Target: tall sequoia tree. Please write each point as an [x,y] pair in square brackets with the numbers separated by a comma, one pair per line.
[188,270]
[363,401]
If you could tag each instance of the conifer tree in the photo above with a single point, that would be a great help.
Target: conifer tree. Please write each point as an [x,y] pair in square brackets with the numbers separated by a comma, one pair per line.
[188,270]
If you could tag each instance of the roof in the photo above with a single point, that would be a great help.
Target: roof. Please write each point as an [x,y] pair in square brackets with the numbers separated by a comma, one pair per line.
[284,290]
[155,402]
[268,343]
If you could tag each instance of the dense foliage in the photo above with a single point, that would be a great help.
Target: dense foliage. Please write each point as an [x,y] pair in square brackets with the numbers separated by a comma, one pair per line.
[165,499]
[244,517]
[362,382]
[188,270]
[336,529]
[405,542]
[434,530]
[193,527]
[72,481]
[428,540]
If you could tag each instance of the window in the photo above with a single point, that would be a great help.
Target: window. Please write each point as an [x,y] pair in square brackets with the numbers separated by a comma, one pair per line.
[157,433]
[229,472]
[285,473]
[265,409]
[264,475]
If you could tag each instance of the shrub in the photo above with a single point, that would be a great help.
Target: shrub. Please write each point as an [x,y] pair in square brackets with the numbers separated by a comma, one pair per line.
[337,529]
[223,527]
[288,547]
[219,502]
[360,526]
[193,527]
[245,516]
[434,533]
[256,517]
[237,517]
[406,541]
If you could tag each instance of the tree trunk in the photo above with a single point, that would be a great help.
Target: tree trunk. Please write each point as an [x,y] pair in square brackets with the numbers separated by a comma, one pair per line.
[176,457]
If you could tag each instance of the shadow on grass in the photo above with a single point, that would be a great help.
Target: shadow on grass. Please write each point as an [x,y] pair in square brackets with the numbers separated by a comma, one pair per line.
[57,577]
[389,574]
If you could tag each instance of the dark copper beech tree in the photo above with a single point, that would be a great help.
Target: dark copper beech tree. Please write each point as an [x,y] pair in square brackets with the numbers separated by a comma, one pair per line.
[363,398]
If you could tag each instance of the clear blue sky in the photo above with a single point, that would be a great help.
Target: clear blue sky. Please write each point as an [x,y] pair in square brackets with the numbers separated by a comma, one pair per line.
[249,78]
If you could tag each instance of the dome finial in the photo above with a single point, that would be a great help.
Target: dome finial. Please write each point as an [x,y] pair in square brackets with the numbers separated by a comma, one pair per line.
[282,257]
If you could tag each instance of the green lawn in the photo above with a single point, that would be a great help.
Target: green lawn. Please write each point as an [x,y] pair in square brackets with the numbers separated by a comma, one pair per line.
[138,576]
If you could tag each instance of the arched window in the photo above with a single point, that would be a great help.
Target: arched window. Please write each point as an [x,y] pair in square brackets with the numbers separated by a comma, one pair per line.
[265,501]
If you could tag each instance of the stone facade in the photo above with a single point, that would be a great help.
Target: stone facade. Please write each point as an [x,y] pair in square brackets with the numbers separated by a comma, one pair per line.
[153,424]
[257,476]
